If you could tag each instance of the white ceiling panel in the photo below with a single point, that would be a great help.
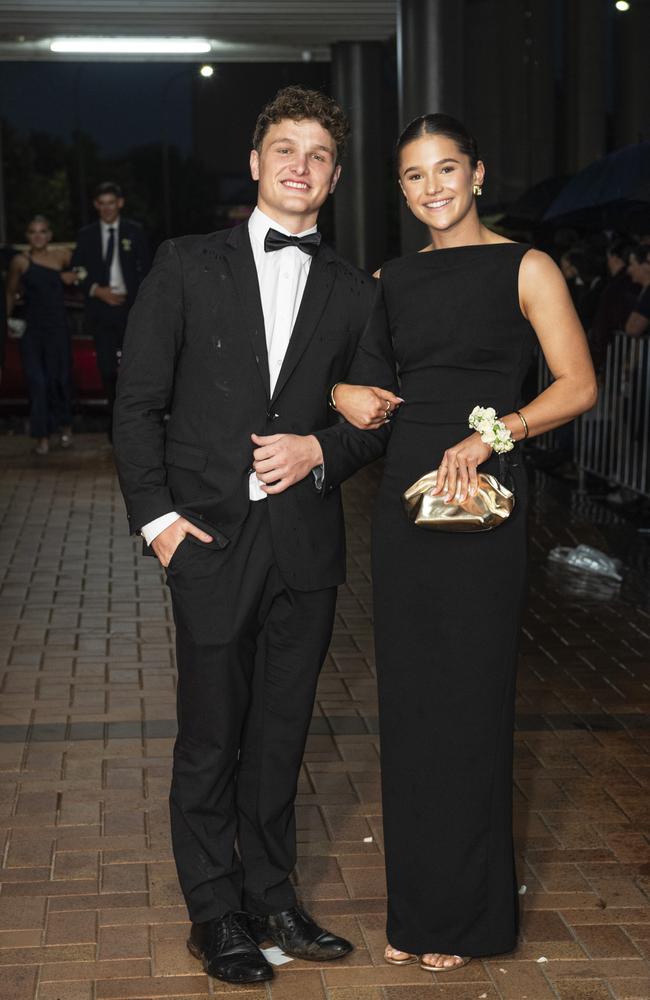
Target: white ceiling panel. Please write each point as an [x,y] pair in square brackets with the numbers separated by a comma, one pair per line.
[307,24]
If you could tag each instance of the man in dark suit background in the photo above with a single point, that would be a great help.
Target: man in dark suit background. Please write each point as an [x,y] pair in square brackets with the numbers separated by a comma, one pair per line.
[240,335]
[111,259]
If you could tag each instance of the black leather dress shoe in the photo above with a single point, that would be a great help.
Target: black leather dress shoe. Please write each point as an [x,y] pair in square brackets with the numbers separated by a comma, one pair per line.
[298,935]
[227,950]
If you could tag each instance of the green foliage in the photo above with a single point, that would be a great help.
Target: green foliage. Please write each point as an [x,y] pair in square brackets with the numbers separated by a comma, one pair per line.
[36,183]
[48,176]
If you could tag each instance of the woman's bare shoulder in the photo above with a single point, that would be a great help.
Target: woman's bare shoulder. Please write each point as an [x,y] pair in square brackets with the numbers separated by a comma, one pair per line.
[19,263]
[63,255]
[537,264]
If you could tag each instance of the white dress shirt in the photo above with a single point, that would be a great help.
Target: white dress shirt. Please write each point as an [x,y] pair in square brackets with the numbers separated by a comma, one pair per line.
[116,278]
[282,276]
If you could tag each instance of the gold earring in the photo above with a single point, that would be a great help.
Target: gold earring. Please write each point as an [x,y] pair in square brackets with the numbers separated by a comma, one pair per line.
[477,190]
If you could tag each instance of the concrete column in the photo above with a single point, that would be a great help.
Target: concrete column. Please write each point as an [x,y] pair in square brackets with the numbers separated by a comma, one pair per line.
[430,74]
[526,97]
[360,208]
[585,82]
[631,118]
[540,72]
[510,100]
[483,113]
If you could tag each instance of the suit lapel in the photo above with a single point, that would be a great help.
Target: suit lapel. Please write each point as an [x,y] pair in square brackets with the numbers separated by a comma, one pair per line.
[120,253]
[99,244]
[320,282]
[242,266]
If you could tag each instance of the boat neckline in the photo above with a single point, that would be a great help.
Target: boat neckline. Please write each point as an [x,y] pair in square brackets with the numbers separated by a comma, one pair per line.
[467,246]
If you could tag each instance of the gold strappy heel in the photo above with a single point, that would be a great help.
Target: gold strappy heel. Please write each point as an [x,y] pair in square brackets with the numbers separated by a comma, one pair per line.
[445,968]
[407,960]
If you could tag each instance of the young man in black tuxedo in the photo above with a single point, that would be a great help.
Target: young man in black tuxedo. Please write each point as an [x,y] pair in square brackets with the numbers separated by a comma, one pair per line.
[111,258]
[240,335]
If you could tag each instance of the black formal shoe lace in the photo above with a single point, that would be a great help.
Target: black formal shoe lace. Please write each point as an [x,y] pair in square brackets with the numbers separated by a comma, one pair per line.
[230,934]
[228,951]
[291,919]
[298,935]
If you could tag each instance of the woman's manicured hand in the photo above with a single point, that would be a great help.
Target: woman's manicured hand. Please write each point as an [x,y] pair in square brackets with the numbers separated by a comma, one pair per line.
[365,406]
[457,473]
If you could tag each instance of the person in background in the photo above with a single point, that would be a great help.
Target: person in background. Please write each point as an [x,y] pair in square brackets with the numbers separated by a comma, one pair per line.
[582,268]
[41,273]
[111,259]
[638,268]
[583,273]
[616,257]
[616,302]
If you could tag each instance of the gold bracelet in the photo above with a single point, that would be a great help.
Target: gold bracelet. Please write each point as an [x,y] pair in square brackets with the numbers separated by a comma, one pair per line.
[332,400]
[524,422]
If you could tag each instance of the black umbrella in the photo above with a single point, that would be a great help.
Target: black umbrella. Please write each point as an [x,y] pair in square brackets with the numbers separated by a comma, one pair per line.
[530,207]
[613,191]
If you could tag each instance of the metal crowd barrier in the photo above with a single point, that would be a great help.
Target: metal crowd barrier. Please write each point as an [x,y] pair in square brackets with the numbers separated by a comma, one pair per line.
[611,440]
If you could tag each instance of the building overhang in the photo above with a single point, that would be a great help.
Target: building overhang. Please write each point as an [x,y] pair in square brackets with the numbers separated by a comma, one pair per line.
[235,30]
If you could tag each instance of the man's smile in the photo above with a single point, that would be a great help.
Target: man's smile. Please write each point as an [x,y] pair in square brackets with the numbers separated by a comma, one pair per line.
[296,185]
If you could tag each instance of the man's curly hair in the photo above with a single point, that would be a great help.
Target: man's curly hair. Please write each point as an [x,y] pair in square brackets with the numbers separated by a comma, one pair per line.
[298,103]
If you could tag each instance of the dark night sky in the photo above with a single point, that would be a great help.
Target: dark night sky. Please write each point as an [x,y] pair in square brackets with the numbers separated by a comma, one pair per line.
[119,104]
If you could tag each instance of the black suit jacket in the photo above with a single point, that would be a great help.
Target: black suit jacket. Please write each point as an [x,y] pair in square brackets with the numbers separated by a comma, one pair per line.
[135,259]
[195,346]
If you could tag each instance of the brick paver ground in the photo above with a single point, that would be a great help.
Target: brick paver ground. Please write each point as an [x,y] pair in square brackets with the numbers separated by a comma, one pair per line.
[89,906]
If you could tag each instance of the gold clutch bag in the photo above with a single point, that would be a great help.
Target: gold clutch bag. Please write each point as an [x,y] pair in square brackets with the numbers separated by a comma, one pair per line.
[492,505]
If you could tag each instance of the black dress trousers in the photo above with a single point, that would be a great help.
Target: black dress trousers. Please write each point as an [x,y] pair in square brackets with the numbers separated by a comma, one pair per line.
[249,651]
[107,325]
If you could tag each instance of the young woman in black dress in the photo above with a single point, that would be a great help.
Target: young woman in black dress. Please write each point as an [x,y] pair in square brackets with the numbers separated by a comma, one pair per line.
[45,348]
[459,321]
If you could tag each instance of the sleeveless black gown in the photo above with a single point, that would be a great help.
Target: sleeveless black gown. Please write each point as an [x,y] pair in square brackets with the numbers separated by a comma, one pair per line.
[447,606]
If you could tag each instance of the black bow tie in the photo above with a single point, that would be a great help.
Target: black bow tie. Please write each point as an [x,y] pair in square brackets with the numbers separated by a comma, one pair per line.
[276,241]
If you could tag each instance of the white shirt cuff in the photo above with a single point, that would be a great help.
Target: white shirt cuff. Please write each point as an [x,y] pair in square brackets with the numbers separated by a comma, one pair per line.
[153,528]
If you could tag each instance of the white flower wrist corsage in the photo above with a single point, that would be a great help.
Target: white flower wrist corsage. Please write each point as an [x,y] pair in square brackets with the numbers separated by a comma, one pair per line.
[494,432]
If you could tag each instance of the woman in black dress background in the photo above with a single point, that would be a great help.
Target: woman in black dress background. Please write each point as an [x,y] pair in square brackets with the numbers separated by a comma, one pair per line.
[45,349]
[459,321]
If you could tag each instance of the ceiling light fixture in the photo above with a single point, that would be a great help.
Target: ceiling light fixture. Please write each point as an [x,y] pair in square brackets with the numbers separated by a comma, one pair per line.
[132,46]
[622,5]
[207,71]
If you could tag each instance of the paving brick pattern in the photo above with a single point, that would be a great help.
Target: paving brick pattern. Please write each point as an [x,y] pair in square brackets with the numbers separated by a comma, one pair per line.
[89,905]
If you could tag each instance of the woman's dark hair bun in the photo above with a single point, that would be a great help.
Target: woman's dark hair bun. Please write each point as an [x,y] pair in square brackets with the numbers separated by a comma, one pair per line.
[439,124]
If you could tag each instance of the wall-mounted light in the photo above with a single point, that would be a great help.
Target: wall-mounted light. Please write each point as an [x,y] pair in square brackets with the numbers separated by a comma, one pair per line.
[206,71]
[131,46]
[622,5]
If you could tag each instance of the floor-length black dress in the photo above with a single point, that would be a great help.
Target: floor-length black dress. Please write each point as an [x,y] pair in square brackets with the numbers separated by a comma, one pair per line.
[447,608]
[45,350]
